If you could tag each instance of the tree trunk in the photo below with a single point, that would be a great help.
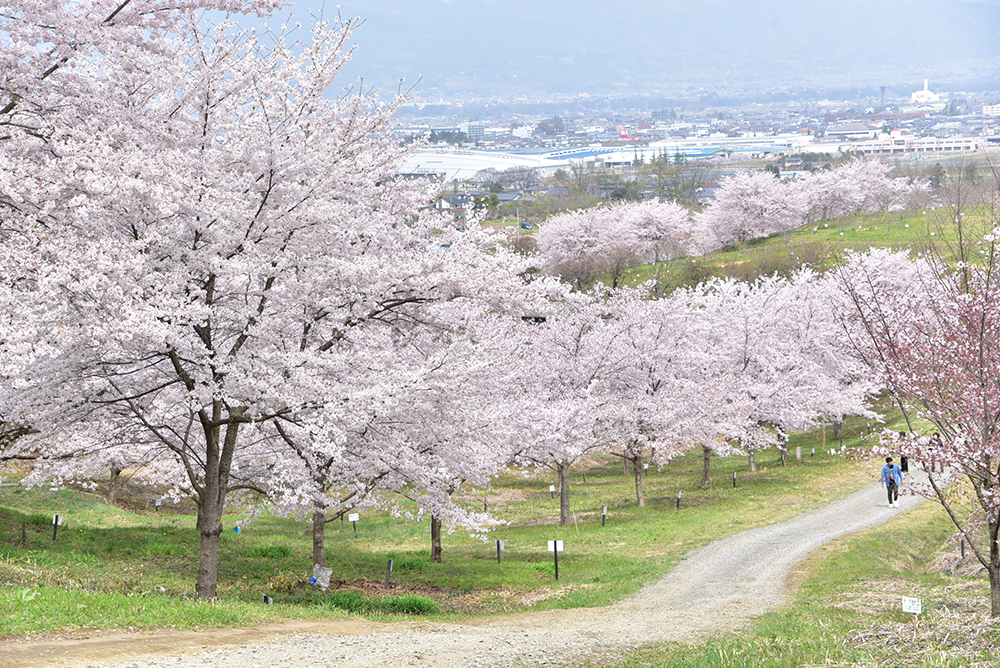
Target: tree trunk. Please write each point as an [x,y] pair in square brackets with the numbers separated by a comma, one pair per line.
[211,498]
[994,573]
[436,540]
[752,459]
[209,530]
[114,485]
[706,459]
[319,534]
[640,498]
[838,427]
[564,514]
[994,567]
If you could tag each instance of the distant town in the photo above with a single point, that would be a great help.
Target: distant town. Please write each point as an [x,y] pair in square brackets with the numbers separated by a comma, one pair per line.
[920,128]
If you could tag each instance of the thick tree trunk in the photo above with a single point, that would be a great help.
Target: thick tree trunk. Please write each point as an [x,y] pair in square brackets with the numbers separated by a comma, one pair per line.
[564,514]
[838,427]
[211,498]
[435,540]
[209,530]
[114,485]
[752,459]
[705,459]
[640,498]
[319,535]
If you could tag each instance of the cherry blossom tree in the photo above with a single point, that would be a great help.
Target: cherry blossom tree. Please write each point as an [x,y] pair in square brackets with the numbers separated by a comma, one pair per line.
[666,396]
[203,247]
[748,205]
[430,416]
[860,186]
[752,205]
[777,362]
[568,388]
[581,245]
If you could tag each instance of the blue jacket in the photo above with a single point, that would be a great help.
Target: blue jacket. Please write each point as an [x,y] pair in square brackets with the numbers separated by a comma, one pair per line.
[891,473]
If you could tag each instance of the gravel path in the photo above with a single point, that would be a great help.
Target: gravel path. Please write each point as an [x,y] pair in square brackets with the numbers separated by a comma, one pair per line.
[718,587]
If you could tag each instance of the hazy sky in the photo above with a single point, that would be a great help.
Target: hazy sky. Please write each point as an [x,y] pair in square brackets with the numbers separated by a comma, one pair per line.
[511,47]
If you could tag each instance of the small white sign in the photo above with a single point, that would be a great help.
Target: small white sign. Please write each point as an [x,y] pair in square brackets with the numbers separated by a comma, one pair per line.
[605,511]
[911,605]
[552,488]
[57,520]
[500,545]
[353,517]
[555,545]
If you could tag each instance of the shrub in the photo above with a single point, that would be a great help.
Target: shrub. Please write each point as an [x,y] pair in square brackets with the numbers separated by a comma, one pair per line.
[285,582]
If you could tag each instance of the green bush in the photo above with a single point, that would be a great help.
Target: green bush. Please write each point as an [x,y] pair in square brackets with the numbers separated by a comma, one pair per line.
[409,604]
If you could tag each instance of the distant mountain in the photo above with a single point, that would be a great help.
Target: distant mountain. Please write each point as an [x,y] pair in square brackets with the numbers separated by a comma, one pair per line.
[527,47]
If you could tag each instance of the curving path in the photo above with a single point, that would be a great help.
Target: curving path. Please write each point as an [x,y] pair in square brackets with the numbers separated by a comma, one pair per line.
[718,587]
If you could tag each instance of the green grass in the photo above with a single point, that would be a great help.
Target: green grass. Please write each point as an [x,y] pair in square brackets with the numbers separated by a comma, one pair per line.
[115,568]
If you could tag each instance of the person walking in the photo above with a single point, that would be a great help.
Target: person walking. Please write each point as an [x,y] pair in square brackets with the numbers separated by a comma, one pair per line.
[891,477]
[934,448]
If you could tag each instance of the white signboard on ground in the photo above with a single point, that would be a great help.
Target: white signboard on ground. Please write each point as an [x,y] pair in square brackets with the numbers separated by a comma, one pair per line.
[555,545]
[911,605]
[353,517]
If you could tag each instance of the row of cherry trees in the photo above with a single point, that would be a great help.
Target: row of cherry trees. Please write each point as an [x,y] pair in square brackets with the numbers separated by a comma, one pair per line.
[606,241]
[751,205]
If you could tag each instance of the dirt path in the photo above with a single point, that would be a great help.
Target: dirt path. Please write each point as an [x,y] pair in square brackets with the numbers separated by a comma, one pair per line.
[718,587]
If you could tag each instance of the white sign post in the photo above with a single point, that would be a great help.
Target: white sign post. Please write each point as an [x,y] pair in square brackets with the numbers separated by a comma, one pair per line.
[353,519]
[555,547]
[552,491]
[499,549]
[912,606]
